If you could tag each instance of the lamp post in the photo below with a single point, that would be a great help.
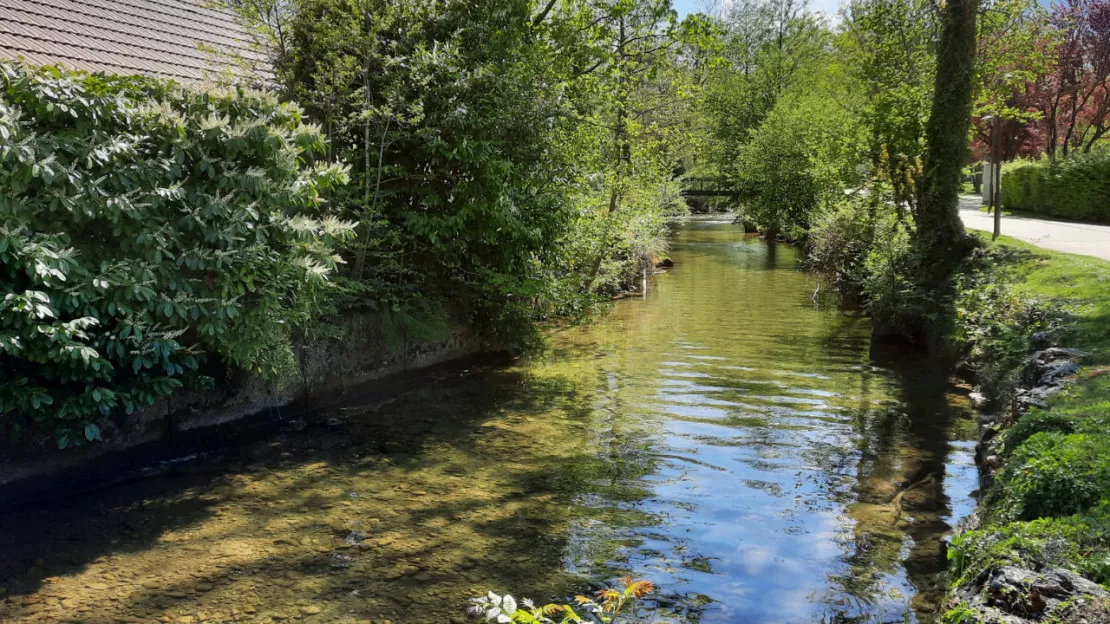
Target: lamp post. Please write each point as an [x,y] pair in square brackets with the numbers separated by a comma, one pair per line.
[996,188]
[995,201]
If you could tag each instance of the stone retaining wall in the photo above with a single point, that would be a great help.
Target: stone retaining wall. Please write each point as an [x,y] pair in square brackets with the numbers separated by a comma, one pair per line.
[328,369]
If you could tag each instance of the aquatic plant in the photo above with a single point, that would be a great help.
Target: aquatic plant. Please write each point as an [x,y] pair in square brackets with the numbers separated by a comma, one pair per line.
[604,609]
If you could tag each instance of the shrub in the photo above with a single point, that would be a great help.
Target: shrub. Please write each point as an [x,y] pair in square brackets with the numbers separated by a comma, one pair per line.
[864,249]
[994,321]
[144,227]
[1080,543]
[1054,474]
[892,297]
[1037,421]
[842,241]
[1076,187]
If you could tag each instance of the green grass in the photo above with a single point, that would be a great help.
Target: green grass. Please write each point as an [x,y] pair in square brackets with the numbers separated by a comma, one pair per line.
[1050,505]
[1081,282]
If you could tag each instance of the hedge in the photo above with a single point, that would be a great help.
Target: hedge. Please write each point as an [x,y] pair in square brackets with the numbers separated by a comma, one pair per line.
[144,228]
[1076,187]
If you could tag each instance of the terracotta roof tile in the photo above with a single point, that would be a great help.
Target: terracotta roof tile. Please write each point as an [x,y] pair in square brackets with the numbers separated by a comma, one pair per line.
[164,38]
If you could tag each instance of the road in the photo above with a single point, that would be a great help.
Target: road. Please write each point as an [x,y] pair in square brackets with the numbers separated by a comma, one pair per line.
[1076,238]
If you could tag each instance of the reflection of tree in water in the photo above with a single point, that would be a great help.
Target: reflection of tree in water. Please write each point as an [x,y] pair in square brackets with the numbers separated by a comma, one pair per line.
[623,427]
[899,491]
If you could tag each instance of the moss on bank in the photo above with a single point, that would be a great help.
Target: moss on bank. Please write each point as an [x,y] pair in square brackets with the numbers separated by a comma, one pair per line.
[1050,505]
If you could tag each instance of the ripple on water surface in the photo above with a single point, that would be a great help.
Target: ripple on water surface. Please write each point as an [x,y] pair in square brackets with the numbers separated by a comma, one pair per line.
[724,437]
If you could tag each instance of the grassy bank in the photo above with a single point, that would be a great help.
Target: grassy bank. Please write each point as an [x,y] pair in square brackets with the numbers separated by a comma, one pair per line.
[1049,506]
[1081,283]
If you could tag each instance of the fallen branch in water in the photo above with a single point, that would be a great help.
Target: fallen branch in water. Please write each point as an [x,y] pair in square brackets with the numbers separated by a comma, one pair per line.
[897,502]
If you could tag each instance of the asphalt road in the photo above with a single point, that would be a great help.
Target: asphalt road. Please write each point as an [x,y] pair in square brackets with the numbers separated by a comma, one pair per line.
[1076,238]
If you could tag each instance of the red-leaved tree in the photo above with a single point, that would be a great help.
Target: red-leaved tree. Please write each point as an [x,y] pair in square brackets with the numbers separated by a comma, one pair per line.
[1074,96]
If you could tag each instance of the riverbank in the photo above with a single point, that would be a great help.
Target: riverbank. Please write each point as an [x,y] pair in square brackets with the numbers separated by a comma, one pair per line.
[328,371]
[1038,548]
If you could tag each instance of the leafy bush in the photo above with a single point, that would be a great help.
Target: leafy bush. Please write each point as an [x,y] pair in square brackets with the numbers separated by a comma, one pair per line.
[801,158]
[994,321]
[480,154]
[607,608]
[1053,474]
[1080,543]
[865,249]
[1084,408]
[1036,421]
[1076,187]
[844,245]
[144,227]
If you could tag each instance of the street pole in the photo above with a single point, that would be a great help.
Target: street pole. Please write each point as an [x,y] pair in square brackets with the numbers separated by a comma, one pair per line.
[996,175]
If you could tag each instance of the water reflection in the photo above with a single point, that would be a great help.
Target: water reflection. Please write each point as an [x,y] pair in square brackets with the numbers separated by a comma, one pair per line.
[780,444]
[726,438]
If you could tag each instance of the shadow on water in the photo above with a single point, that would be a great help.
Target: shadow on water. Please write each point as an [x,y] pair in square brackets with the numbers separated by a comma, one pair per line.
[725,437]
[904,510]
[404,512]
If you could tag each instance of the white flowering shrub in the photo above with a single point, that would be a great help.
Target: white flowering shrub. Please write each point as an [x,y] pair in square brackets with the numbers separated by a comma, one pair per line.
[145,227]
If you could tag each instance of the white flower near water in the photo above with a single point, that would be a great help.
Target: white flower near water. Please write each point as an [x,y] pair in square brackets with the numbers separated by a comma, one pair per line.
[495,608]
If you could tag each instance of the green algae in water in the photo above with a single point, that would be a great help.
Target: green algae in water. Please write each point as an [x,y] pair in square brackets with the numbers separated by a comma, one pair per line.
[724,437]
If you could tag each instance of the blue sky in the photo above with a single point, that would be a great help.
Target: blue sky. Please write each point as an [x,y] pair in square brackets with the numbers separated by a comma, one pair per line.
[828,7]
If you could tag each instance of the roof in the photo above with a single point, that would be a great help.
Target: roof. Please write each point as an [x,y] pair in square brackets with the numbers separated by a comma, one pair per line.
[188,40]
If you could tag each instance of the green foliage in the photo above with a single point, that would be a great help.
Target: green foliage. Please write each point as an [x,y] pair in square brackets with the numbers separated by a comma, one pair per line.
[453,143]
[804,155]
[1076,187]
[1050,504]
[994,320]
[513,158]
[891,50]
[960,614]
[893,298]
[1015,50]
[1054,474]
[846,246]
[1038,421]
[609,606]
[1079,543]
[765,49]
[146,226]
[865,249]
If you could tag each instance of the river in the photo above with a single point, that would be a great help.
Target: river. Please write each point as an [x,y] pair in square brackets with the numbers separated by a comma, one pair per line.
[725,437]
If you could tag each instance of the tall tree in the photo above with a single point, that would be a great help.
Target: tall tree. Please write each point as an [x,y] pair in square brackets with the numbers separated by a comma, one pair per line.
[890,47]
[768,45]
[941,241]
[1074,98]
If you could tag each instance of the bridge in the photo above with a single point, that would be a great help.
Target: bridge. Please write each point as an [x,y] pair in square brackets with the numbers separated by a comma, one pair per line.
[709,187]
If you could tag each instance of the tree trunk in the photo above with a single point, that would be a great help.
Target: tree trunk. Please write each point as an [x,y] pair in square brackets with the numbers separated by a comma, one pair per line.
[941,241]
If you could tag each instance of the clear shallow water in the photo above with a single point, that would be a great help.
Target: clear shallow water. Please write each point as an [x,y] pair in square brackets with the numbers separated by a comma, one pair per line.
[724,437]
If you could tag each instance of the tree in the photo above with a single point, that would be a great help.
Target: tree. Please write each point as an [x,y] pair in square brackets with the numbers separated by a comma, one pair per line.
[1014,51]
[767,46]
[1074,98]
[628,96]
[940,239]
[805,154]
[890,47]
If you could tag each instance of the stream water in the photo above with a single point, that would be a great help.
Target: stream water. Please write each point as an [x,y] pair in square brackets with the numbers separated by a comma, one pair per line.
[724,436]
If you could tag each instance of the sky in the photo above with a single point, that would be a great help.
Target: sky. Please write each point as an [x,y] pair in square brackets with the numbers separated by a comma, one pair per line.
[828,7]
